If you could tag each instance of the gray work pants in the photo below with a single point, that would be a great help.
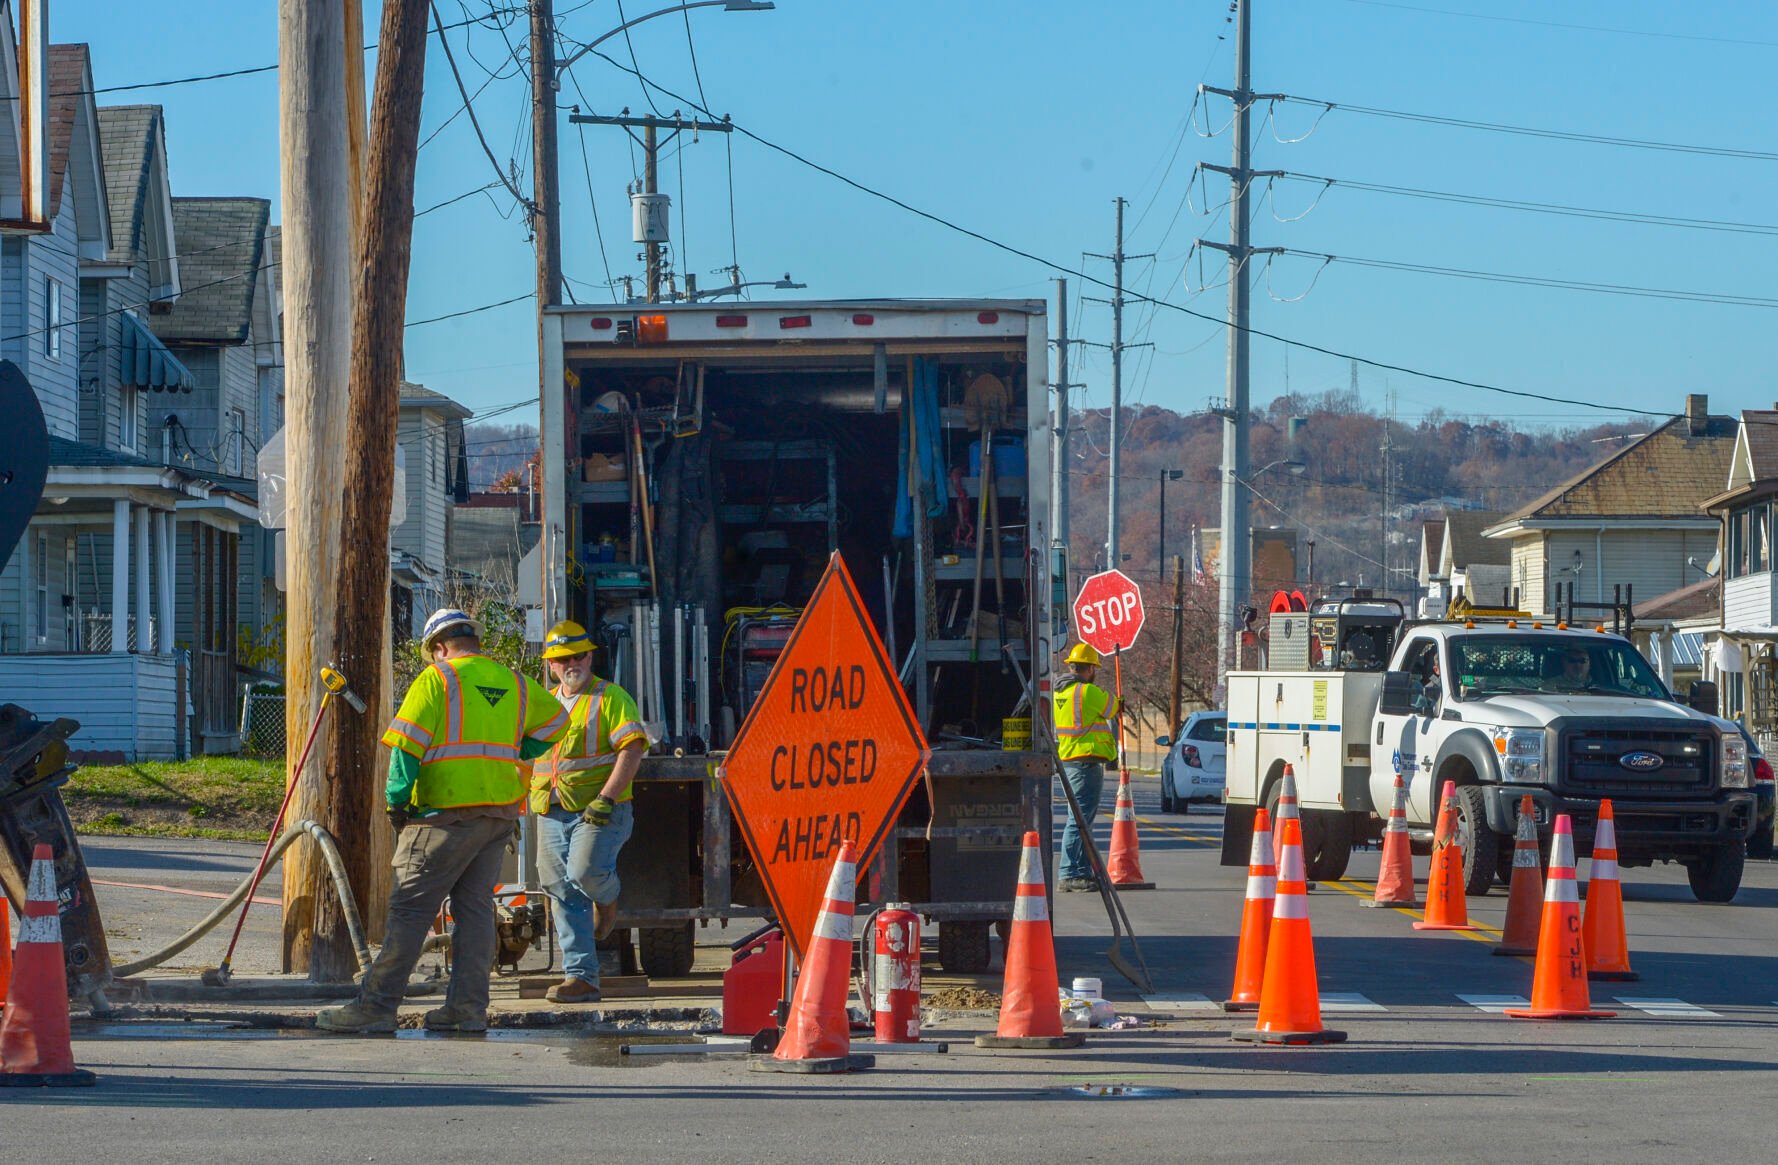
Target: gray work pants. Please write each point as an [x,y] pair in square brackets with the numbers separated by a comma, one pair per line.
[460,859]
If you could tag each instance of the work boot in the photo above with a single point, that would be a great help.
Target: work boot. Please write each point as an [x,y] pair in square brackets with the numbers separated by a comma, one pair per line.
[573,990]
[454,1017]
[355,1018]
[1072,884]
[604,920]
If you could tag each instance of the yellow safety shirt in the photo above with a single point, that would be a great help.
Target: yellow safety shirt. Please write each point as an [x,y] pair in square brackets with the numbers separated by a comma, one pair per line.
[601,721]
[470,722]
[1083,721]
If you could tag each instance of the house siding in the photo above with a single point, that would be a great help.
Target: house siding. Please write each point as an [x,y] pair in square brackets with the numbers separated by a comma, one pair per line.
[1652,562]
[422,438]
[124,703]
[41,257]
[1748,601]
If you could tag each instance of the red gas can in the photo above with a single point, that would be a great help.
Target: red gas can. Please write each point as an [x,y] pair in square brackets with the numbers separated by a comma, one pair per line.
[895,975]
[752,986]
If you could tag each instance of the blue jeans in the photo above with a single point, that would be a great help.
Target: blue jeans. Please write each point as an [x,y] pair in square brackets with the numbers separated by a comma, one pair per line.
[577,864]
[1086,778]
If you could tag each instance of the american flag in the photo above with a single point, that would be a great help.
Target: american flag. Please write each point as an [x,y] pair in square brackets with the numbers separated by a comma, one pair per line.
[1198,572]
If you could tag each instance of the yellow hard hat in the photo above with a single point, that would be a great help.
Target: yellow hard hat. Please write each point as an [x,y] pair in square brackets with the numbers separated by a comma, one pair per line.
[1082,653]
[565,639]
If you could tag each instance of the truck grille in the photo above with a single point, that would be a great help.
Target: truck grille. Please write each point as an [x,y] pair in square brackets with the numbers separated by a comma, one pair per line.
[1592,761]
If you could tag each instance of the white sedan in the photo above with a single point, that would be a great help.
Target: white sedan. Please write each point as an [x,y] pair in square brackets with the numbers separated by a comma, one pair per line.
[1196,765]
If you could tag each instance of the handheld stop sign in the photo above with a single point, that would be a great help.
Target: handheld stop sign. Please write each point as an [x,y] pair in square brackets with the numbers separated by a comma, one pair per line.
[1108,612]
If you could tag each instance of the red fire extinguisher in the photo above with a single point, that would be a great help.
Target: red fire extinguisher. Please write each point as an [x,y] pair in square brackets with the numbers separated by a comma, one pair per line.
[895,975]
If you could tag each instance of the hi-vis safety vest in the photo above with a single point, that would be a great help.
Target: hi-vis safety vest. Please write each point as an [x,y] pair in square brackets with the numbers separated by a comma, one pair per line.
[601,721]
[466,719]
[1083,721]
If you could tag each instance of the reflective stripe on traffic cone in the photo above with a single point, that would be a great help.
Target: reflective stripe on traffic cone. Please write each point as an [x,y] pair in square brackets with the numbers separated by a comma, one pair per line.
[1559,985]
[1602,925]
[1395,881]
[1126,847]
[817,1037]
[1446,907]
[1030,999]
[1524,902]
[1290,999]
[1256,919]
[34,1040]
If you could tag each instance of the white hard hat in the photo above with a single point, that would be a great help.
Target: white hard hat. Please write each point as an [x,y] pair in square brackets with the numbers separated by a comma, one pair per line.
[443,620]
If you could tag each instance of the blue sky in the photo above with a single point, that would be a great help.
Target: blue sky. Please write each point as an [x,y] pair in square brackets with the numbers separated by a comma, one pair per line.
[1023,120]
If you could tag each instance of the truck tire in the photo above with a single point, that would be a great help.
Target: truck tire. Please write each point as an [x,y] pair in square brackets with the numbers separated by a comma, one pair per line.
[1481,846]
[1333,844]
[1760,844]
[667,950]
[963,947]
[1716,877]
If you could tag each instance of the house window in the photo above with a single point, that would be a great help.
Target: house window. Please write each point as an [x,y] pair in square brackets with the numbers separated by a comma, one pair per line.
[126,422]
[52,318]
[40,580]
[237,440]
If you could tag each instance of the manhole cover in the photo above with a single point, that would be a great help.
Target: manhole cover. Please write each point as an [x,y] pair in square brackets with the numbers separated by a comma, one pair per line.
[1120,1091]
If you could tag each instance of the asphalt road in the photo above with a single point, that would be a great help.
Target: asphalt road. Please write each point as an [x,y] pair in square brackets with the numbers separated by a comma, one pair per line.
[1425,1076]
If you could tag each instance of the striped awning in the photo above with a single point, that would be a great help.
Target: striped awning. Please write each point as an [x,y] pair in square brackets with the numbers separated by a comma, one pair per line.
[147,363]
[1688,650]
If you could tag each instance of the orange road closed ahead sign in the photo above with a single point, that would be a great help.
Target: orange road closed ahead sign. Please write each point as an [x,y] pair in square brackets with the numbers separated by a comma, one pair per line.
[828,752]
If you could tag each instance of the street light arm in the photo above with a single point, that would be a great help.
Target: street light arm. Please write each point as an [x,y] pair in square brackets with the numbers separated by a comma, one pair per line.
[732,5]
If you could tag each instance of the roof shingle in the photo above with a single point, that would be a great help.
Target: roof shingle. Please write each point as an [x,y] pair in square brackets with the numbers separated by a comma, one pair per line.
[127,136]
[67,88]
[221,246]
[1669,473]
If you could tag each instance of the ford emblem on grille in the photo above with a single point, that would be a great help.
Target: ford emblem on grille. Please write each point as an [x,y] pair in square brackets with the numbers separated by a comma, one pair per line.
[1641,762]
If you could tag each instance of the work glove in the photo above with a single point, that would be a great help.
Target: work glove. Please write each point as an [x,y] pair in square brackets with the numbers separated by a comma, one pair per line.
[599,812]
[397,818]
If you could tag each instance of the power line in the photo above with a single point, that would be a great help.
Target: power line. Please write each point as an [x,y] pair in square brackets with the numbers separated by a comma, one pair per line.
[1717,297]
[1565,26]
[1533,131]
[469,108]
[1062,268]
[1702,224]
[469,311]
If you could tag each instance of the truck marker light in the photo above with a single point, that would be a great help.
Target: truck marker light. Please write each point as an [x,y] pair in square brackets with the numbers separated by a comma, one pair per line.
[731,321]
[987,317]
[864,319]
[795,321]
[601,323]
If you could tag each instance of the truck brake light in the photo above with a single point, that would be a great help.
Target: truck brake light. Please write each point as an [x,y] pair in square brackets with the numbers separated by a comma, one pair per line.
[864,319]
[987,317]
[601,323]
[795,321]
[731,321]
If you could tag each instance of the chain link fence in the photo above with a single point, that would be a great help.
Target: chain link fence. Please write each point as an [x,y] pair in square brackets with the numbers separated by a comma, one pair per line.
[262,722]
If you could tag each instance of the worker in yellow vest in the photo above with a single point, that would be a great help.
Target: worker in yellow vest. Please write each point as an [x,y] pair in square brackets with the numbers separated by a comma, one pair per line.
[580,793]
[1086,743]
[455,793]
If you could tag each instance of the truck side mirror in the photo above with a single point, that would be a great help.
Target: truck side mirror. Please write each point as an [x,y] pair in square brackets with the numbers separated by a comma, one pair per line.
[1399,691]
[1701,696]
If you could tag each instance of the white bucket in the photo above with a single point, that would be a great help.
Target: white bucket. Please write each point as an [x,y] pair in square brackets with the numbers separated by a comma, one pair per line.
[1088,989]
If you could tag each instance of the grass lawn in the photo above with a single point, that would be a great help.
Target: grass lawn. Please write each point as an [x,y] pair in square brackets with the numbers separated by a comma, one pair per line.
[214,797]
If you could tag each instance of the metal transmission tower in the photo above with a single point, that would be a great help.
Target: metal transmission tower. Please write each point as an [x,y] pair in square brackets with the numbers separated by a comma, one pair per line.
[1235,568]
[1115,435]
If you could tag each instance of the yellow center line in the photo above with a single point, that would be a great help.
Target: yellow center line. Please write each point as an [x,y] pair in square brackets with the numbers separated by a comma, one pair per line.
[1356,889]
[1176,831]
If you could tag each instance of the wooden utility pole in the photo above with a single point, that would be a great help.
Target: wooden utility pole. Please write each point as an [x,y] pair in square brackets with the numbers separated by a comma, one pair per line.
[317,278]
[361,625]
[1173,709]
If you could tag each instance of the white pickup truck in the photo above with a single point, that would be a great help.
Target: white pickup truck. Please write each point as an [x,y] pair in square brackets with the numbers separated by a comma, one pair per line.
[1503,708]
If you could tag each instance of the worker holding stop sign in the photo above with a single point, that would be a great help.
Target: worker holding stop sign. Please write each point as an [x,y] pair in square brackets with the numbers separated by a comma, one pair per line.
[1108,615]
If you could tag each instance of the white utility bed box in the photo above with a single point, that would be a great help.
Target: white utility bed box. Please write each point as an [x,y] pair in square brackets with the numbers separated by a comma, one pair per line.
[1318,722]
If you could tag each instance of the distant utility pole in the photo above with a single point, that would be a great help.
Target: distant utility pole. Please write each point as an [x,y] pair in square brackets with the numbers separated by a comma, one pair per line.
[1112,559]
[650,231]
[1235,566]
[317,193]
[1059,523]
[361,625]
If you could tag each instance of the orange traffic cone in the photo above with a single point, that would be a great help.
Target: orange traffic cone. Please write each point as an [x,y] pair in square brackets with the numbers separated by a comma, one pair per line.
[1126,848]
[1602,929]
[1395,882]
[1524,902]
[34,1042]
[1446,907]
[1290,1000]
[817,1037]
[1256,919]
[1030,1001]
[1287,811]
[1559,985]
[5,948]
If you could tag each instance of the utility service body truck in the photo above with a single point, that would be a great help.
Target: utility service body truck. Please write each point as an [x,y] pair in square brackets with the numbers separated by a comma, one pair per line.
[1501,706]
[701,462]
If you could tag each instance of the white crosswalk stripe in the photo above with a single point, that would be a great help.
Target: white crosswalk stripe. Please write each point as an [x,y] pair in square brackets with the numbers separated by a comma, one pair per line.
[1180,1001]
[1495,1003]
[1348,1001]
[1667,1008]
